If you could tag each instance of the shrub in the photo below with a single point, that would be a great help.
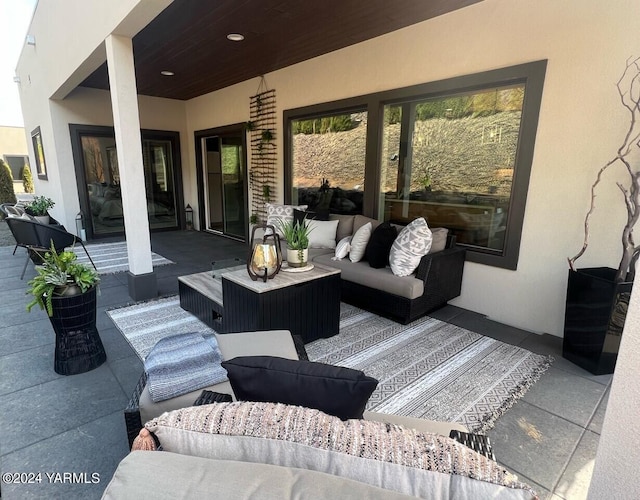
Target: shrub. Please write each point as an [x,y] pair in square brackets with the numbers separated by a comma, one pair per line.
[7,194]
[27,179]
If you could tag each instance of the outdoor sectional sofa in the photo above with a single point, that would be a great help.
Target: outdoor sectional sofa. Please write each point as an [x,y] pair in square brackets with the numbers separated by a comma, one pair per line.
[437,279]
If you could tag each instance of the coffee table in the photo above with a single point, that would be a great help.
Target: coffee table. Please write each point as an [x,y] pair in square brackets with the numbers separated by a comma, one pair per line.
[305,303]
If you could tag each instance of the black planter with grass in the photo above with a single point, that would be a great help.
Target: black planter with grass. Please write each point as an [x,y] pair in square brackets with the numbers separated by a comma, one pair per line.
[595,313]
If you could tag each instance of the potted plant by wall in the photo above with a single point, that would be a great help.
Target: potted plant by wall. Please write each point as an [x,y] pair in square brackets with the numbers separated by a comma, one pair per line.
[597,297]
[67,290]
[297,235]
[39,208]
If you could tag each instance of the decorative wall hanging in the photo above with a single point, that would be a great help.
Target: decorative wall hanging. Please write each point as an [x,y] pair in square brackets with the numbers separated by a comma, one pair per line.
[262,129]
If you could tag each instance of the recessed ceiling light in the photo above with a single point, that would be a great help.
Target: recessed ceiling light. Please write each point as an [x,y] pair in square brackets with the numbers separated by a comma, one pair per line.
[235,37]
[167,73]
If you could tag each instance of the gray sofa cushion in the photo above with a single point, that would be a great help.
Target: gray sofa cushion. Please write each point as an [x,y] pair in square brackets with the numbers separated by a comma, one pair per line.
[379,279]
[345,225]
[160,474]
[379,454]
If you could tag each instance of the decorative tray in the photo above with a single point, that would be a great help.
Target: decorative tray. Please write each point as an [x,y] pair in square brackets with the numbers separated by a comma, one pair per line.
[285,267]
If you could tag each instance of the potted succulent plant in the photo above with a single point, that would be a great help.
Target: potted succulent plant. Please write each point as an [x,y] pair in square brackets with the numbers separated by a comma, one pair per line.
[39,208]
[296,233]
[67,290]
[597,298]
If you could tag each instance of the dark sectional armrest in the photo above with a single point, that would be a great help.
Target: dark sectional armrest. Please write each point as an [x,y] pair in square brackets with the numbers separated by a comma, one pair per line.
[450,259]
[132,418]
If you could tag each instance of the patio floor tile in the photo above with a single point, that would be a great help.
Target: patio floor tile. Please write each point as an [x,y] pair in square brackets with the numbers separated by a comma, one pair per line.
[598,418]
[571,397]
[95,447]
[17,338]
[57,406]
[534,443]
[27,369]
[574,483]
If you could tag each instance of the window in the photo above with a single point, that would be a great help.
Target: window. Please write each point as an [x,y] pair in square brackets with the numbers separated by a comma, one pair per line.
[328,161]
[451,160]
[457,152]
[16,164]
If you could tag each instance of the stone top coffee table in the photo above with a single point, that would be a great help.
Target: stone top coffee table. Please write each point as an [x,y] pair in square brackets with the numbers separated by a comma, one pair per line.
[305,303]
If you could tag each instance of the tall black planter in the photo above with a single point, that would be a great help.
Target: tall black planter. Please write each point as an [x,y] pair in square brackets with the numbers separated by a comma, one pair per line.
[78,345]
[595,313]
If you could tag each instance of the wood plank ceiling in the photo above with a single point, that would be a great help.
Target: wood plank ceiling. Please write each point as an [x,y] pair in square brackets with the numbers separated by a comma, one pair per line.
[189,38]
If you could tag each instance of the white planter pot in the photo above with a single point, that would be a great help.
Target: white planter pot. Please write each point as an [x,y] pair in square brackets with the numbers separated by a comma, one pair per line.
[293,257]
[42,219]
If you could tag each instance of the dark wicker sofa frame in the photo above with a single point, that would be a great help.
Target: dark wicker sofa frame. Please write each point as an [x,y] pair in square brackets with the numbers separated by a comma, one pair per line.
[442,276]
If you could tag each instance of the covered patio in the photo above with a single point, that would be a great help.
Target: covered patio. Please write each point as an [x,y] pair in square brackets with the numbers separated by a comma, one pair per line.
[56,424]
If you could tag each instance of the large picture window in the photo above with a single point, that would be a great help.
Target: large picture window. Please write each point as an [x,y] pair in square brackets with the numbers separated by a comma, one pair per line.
[457,152]
[328,161]
[451,160]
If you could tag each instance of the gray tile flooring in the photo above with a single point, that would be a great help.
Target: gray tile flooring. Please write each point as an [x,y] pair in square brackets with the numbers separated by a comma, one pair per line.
[55,424]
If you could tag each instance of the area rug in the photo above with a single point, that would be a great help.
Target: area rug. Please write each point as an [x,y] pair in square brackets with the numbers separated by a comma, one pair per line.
[427,369]
[112,258]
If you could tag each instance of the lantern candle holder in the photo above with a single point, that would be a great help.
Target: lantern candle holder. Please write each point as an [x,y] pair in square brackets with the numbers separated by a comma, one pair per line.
[265,257]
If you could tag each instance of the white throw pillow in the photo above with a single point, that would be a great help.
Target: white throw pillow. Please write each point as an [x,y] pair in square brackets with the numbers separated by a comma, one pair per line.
[413,243]
[322,233]
[359,243]
[342,248]
[279,214]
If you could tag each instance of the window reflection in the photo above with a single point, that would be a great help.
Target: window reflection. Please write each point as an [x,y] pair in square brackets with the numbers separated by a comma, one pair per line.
[451,160]
[103,184]
[329,162]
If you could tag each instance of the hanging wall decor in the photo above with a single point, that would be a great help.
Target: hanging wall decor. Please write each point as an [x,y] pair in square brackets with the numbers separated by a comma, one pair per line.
[262,130]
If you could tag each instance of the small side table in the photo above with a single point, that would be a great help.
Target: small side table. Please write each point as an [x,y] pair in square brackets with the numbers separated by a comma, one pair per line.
[305,303]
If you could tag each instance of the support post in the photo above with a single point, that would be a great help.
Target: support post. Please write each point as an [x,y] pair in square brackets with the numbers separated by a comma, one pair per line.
[124,102]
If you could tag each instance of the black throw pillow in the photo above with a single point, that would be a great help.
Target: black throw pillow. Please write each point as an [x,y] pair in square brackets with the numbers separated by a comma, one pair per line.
[335,390]
[379,246]
[299,215]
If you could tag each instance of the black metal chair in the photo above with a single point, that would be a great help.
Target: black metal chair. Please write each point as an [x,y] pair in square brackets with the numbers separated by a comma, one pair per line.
[37,238]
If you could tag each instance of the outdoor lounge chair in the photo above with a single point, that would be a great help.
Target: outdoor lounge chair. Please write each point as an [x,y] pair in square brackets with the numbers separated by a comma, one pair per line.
[37,238]
[262,343]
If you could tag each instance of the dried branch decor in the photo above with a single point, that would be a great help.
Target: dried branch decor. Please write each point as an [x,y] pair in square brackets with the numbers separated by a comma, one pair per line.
[262,126]
[629,90]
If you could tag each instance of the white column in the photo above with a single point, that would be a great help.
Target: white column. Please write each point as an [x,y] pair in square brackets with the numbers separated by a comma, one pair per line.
[124,102]
[615,474]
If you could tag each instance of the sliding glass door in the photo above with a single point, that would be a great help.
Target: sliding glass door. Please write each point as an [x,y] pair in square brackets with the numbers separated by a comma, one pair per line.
[222,180]
[98,175]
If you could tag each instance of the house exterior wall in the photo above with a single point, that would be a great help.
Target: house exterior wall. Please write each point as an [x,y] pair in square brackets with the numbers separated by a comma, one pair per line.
[62,58]
[619,445]
[581,119]
[581,126]
[13,141]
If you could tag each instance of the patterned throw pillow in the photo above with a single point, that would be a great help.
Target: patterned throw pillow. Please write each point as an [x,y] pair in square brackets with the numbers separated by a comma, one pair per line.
[413,243]
[279,214]
[384,455]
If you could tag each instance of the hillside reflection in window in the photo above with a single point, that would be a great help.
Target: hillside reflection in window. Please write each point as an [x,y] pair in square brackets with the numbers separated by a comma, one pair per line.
[328,162]
[452,160]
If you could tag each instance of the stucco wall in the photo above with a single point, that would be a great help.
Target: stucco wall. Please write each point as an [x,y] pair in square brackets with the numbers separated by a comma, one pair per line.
[93,107]
[13,141]
[581,125]
[616,468]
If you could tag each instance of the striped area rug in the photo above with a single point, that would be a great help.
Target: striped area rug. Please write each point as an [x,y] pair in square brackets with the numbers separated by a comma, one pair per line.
[112,258]
[431,369]
[427,369]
